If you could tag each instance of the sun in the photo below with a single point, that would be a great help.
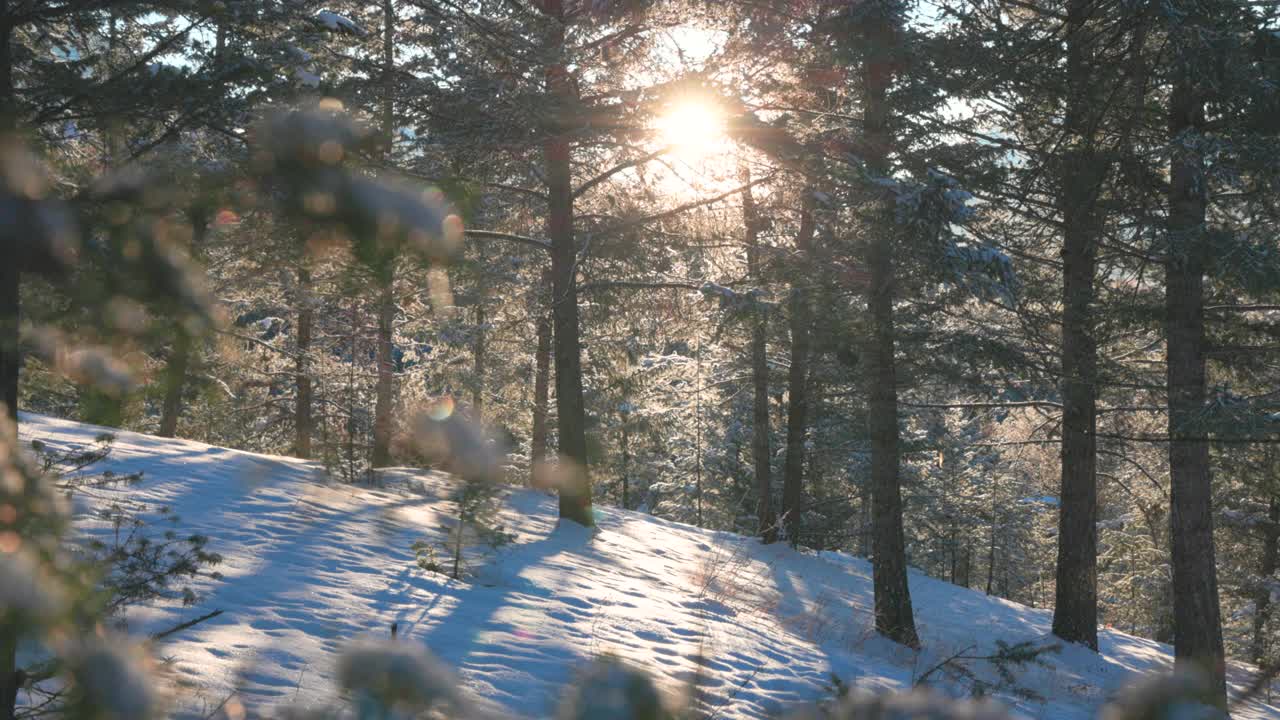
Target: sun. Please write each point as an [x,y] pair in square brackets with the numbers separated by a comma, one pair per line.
[693,129]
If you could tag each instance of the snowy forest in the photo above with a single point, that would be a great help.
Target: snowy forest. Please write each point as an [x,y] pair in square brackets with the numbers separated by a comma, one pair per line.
[362,359]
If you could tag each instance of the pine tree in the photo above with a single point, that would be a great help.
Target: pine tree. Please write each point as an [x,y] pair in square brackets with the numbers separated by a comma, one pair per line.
[1075,610]
[1196,613]
[761,460]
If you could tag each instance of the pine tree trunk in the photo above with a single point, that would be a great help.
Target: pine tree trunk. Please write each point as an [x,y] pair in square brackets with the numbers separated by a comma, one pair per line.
[388,75]
[1075,612]
[761,460]
[1196,613]
[541,388]
[626,463]
[1262,599]
[385,382]
[302,421]
[760,455]
[797,377]
[575,490]
[478,366]
[894,615]
[991,557]
[10,362]
[351,396]
[10,351]
[954,546]
[697,444]
[10,676]
[175,375]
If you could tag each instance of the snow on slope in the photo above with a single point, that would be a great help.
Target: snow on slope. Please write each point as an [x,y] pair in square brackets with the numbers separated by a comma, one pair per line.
[309,565]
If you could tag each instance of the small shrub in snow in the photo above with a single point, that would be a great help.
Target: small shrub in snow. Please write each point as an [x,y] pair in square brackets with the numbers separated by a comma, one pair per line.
[462,448]
[57,590]
[425,553]
[1005,660]
[476,524]
[134,563]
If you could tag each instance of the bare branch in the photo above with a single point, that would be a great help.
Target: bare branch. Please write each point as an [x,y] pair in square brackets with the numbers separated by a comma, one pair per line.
[641,285]
[619,168]
[510,237]
[620,227]
[183,626]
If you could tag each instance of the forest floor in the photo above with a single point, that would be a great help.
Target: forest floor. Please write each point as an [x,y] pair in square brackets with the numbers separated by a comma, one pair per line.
[309,565]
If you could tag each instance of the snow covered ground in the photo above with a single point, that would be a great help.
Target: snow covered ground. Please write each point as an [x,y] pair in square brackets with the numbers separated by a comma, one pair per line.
[310,565]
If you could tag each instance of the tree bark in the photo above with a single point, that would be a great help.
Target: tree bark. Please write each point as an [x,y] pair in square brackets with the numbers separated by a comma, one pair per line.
[894,616]
[10,362]
[303,425]
[1196,613]
[351,395]
[478,365]
[388,74]
[575,489]
[1262,598]
[953,545]
[183,343]
[864,519]
[386,380]
[541,387]
[761,460]
[384,386]
[991,557]
[10,676]
[179,360]
[697,424]
[175,375]
[797,377]
[1075,611]
[10,351]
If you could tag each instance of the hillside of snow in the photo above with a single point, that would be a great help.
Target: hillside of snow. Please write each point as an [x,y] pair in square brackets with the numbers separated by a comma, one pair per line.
[311,564]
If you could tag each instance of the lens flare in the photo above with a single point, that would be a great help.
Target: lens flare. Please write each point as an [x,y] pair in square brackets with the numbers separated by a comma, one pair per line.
[441,409]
